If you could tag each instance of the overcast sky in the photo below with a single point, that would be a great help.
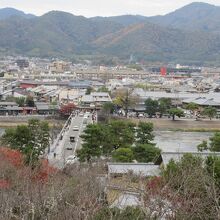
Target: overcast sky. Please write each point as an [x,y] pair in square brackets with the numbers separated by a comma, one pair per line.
[91,8]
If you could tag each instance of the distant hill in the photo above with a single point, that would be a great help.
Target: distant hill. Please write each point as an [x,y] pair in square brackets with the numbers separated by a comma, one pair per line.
[9,12]
[199,16]
[191,33]
[124,20]
[55,33]
[154,42]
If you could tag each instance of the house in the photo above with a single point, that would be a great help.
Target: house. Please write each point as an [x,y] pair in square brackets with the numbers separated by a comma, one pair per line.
[8,104]
[70,95]
[11,110]
[213,101]
[44,108]
[178,98]
[126,199]
[95,99]
[123,188]
[12,92]
[80,84]
[45,93]
[140,169]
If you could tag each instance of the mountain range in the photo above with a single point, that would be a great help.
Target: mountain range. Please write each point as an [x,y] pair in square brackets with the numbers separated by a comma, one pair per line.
[10,12]
[189,34]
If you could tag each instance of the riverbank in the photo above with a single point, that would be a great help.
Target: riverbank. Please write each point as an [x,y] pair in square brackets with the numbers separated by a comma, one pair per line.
[164,124]
[183,124]
[11,124]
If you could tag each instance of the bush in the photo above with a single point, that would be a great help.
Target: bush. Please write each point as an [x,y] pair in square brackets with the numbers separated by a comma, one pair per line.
[145,153]
[124,155]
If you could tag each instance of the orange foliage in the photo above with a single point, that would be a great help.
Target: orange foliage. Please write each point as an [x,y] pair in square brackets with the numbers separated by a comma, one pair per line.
[4,184]
[67,109]
[155,185]
[44,171]
[14,157]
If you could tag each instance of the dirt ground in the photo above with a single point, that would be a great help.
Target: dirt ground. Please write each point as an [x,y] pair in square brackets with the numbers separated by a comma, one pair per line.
[15,123]
[159,124]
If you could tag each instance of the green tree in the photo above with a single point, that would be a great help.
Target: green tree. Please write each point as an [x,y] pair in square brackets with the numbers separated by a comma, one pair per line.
[31,140]
[124,155]
[176,112]
[103,89]
[215,142]
[30,101]
[152,107]
[164,105]
[103,139]
[203,146]
[107,109]
[192,106]
[125,99]
[10,99]
[89,90]
[122,133]
[209,112]
[20,101]
[92,143]
[144,133]
[135,66]
[17,138]
[53,107]
[145,153]
[213,167]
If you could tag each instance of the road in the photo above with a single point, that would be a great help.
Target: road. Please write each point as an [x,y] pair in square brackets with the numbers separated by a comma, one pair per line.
[63,148]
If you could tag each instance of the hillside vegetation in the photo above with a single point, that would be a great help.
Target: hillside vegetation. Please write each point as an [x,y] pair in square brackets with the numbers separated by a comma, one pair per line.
[191,34]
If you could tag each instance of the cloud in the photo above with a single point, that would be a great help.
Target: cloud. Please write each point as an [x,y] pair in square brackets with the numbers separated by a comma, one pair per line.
[91,8]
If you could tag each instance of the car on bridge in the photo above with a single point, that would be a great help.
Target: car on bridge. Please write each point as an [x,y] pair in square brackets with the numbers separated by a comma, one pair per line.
[81,114]
[71,160]
[69,147]
[72,139]
[75,128]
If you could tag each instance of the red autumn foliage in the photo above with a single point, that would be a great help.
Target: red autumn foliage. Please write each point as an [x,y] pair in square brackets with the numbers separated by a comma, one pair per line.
[155,184]
[14,157]
[44,171]
[4,184]
[67,109]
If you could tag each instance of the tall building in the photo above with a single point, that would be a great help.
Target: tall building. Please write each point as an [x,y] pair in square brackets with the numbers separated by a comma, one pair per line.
[59,67]
[22,63]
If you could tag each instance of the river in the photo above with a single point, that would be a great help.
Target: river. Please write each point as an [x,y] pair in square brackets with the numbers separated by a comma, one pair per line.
[173,141]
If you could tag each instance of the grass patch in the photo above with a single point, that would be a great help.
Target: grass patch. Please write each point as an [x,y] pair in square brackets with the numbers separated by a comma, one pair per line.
[195,130]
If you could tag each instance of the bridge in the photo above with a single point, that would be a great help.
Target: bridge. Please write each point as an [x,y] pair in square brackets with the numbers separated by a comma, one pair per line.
[68,140]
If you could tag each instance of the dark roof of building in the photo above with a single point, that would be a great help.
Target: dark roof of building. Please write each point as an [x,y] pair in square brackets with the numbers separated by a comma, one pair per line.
[80,84]
[32,82]
[8,104]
